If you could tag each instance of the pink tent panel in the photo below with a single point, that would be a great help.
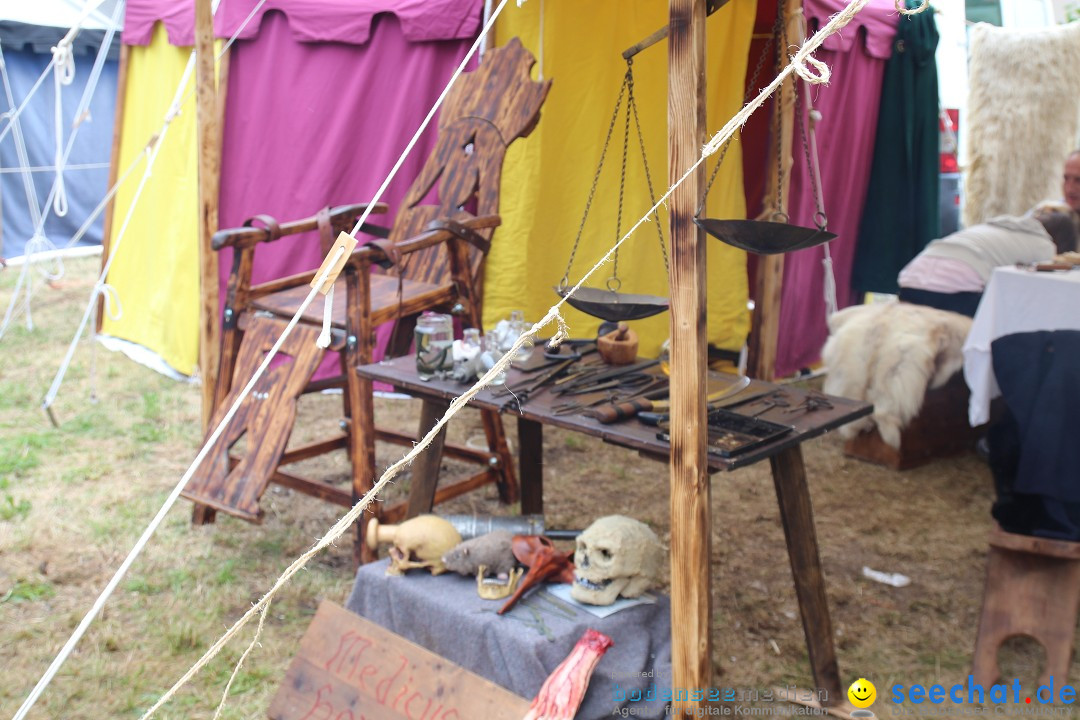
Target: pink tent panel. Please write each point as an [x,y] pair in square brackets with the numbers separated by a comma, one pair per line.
[845,137]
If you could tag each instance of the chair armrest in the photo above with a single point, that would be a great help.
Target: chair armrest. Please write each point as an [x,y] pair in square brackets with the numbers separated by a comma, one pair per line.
[248,236]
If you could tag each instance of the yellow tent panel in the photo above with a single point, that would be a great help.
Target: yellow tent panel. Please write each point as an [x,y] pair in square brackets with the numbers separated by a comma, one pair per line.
[157,281]
[547,176]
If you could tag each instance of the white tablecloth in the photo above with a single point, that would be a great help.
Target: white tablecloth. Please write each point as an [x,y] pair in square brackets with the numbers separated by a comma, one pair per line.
[1015,301]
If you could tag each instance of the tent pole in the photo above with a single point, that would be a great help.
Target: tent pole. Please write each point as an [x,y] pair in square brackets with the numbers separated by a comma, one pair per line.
[691,579]
[114,162]
[209,144]
[769,275]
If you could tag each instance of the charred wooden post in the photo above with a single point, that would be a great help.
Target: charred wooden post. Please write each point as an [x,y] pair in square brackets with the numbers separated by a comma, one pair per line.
[209,144]
[691,579]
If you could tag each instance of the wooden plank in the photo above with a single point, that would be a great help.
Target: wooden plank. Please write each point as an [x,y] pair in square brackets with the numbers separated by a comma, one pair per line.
[349,668]
[691,578]
[797,516]
[114,160]
[209,144]
[769,273]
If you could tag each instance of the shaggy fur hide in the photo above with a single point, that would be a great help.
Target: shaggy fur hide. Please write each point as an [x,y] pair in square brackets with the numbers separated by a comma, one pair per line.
[1023,116]
[888,354]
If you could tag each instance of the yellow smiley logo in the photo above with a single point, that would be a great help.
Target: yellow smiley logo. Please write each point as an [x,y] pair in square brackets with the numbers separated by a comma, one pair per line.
[862,693]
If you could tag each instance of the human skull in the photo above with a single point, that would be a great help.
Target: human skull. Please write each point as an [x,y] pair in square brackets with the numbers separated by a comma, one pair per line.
[616,556]
[420,543]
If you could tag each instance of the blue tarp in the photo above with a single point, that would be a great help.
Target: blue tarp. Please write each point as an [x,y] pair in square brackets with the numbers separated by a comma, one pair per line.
[26,56]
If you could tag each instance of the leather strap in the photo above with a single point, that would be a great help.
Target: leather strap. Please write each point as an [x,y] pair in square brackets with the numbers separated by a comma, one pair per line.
[326,230]
[391,253]
[462,231]
[271,225]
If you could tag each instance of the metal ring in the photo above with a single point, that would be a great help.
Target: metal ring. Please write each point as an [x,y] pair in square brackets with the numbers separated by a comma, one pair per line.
[821,220]
[780,217]
[614,283]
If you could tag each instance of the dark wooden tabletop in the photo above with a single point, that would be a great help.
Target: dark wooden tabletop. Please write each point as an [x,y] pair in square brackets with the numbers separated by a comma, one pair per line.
[401,373]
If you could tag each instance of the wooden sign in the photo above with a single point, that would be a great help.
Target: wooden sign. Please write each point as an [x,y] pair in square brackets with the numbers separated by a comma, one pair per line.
[349,668]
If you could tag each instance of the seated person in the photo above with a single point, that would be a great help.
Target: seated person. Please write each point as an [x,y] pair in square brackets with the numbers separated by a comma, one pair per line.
[951,273]
[1070,186]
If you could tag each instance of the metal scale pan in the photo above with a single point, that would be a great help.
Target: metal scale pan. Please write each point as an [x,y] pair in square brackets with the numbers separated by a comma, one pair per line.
[614,306]
[764,237]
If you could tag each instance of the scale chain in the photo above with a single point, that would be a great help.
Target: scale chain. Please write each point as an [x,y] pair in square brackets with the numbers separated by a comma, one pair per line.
[592,190]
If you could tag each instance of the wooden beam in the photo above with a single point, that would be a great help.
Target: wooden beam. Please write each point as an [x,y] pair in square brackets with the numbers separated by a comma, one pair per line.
[209,148]
[114,161]
[691,579]
[769,275]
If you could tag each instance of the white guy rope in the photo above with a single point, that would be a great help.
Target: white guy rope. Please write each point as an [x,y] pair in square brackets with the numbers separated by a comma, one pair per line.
[63,66]
[169,502]
[52,168]
[87,9]
[179,100]
[152,152]
[39,226]
[342,525]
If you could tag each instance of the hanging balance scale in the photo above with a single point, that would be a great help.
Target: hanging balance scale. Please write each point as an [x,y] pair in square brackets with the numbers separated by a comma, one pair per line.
[776,235]
[610,303]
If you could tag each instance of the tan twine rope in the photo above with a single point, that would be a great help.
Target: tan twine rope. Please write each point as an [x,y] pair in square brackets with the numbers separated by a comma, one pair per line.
[797,65]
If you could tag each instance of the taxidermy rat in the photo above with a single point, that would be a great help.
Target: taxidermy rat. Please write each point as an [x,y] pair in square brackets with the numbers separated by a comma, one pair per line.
[491,550]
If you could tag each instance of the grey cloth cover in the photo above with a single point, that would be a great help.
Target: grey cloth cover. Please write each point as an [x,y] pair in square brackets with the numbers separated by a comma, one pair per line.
[520,649]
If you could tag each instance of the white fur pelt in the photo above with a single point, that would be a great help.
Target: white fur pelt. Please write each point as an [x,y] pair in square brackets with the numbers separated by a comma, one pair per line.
[888,354]
[1023,117]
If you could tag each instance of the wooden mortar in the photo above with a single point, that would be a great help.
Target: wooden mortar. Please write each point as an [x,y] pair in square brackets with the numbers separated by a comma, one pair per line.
[618,347]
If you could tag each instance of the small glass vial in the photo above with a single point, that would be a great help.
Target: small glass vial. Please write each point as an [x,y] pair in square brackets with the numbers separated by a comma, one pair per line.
[518,327]
[490,355]
[466,358]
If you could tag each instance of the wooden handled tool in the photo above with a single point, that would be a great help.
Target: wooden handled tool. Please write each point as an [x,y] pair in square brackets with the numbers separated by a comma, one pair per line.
[621,411]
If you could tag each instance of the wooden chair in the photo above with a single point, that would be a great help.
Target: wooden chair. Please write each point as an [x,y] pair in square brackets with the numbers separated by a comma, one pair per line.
[433,258]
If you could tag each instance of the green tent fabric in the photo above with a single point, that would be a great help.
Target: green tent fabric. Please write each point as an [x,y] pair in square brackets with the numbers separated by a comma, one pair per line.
[901,214]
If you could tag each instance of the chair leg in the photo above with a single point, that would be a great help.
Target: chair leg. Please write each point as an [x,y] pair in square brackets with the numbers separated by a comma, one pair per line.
[361,432]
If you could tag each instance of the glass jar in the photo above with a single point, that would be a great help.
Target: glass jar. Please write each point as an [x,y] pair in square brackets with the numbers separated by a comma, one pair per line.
[434,344]
[517,327]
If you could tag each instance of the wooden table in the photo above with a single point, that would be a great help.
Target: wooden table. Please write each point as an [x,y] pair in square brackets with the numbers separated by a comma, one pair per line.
[783,454]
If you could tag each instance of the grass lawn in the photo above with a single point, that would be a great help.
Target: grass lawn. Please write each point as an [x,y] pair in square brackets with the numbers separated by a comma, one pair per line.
[73,500]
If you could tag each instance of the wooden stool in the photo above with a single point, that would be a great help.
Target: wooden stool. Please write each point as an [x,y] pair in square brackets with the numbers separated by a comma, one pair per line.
[1033,589]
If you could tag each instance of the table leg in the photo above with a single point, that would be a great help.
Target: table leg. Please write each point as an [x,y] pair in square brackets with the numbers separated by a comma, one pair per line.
[531,466]
[796,512]
[425,468]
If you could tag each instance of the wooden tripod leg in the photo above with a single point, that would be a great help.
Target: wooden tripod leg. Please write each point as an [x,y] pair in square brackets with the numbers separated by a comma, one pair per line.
[425,469]
[797,514]
[496,438]
[531,457]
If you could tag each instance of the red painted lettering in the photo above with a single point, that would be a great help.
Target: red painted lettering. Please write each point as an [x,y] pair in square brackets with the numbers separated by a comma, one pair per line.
[366,672]
[382,690]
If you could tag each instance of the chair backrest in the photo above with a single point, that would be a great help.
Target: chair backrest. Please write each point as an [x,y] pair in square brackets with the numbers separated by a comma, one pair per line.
[486,110]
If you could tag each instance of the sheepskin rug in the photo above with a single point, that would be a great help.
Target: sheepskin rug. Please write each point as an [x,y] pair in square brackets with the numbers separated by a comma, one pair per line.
[1023,117]
[888,354]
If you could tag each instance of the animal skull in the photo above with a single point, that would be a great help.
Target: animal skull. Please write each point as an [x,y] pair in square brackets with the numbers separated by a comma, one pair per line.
[420,543]
[616,556]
